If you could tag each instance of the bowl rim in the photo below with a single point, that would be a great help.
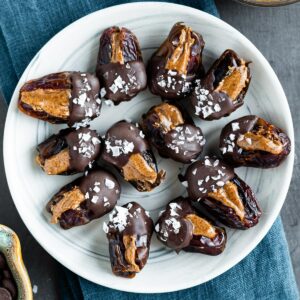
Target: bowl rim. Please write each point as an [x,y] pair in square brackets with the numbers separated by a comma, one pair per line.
[9,162]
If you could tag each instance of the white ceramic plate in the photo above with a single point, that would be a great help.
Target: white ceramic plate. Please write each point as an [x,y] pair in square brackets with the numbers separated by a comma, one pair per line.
[84,250]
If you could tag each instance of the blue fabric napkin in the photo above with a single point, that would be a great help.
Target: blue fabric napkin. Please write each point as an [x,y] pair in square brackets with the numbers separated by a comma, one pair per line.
[26,25]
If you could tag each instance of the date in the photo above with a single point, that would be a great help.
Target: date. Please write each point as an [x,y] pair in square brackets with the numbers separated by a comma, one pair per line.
[223,88]
[129,234]
[170,130]
[217,189]
[69,152]
[127,149]
[180,227]
[65,97]
[251,141]
[120,66]
[177,62]
[85,199]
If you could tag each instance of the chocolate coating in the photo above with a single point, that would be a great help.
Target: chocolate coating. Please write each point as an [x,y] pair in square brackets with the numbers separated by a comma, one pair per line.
[8,287]
[101,191]
[210,103]
[82,90]
[171,84]
[222,193]
[123,140]
[227,215]
[205,176]
[85,105]
[83,144]
[181,141]
[129,221]
[237,156]
[175,230]
[120,66]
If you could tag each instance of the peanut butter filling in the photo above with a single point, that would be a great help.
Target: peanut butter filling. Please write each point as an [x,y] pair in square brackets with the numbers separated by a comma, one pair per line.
[169,116]
[235,82]
[71,200]
[137,169]
[229,196]
[180,57]
[201,226]
[54,102]
[56,164]
[116,48]
[130,252]
[251,141]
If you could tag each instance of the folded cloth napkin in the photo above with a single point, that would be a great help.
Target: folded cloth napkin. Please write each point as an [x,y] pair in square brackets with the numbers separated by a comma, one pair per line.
[265,274]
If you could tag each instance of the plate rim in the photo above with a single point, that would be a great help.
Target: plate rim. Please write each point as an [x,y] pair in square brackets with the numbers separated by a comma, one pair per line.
[187,284]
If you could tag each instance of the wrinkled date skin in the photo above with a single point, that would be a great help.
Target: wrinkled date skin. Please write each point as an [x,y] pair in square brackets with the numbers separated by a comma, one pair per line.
[85,199]
[8,287]
[222,90]
[120,66]
[251,141]
[217,189]
[69,152]
[129,234]
[65,97]
[180,227]
[127,149]
[172,132]
[177,62]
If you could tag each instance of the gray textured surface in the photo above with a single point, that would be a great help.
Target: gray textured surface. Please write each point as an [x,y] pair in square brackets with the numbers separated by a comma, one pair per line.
[275,31]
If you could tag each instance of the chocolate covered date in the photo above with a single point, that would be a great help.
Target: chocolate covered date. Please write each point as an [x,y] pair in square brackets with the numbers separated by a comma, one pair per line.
[129,232]
[220,191]
[65,97]
[120,66]
[172,134]
[180,227]
[251,141]
[175,65]
[68,152]
[86,198]
[222,90]
[127,149]
[8,287]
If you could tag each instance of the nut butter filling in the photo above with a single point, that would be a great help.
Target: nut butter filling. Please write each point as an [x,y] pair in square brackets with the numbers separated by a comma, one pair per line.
[180,57]
[137,169]
[169,116]
[251,141]
[130,252]
[70,200]
[116,48]
[235,82]
[201,226]
[54,102]
[229,196]
[56,164]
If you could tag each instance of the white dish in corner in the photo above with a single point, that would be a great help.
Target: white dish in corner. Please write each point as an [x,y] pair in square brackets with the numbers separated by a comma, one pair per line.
[84,250]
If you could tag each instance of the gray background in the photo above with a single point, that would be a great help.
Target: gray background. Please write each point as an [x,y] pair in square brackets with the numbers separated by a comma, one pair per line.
[276,33]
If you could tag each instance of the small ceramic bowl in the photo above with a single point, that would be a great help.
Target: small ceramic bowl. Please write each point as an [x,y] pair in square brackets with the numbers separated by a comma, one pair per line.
[11,248]
[268,2]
